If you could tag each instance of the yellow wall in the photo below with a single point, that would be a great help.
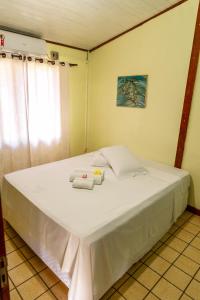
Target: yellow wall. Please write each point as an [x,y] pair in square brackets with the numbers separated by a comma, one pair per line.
[161,48]
[78,95]
[191,159]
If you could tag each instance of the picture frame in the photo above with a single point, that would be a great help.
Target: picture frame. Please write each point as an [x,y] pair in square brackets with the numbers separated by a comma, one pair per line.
[131,91]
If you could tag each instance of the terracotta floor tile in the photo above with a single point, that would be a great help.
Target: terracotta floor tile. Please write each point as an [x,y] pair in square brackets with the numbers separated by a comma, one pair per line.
[10,246]
[165,237]
[180,221]
[27,252]
[167,253]
[173,229]
[18,241]
[196,243]
[11,286]
[47,296]
[14,295]
[195,220]
[157,245]
[197,276]
[186,215]
[185,297]
[192,253]
[121,281]
[49,277]
[176,244]
[21,273]
[133,290]
[193,290]
[146,276]
[134,268]
[187,265]
[116,296]
[60,291]
[32,288]
[146,256]
[11,232]
[151,296]
[177,277]
[158,264]
[184,235]
[37,264]
[6,237]
[14,258]
[166,291]
[108,294]
[192,228]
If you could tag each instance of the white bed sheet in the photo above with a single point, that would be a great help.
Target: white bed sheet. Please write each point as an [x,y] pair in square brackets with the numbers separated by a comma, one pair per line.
[90,238]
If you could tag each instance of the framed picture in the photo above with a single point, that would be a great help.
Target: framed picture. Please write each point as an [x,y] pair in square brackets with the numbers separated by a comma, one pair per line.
[131,91]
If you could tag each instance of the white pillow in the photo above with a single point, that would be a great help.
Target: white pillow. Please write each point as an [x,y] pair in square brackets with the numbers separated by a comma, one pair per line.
[99,160]
[121,160]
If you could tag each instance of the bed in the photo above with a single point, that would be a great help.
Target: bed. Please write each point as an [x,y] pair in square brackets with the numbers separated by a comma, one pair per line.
[90,238]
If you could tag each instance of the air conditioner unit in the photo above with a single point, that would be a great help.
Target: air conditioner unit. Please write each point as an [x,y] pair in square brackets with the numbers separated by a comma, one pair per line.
[22,44]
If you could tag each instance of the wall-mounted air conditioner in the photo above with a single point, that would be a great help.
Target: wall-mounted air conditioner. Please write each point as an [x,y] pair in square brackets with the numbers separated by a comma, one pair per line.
[22,44]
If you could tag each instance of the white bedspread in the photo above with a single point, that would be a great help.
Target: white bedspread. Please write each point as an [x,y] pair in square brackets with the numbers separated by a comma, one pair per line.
[90,238]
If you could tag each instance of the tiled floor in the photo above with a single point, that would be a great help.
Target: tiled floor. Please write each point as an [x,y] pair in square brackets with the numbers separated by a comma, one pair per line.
[170,271]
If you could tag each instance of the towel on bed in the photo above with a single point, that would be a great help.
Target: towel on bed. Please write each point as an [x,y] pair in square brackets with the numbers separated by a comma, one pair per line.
[83,183]
[96,174]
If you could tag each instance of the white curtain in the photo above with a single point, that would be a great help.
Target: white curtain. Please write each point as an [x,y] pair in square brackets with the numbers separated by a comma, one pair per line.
[33,113]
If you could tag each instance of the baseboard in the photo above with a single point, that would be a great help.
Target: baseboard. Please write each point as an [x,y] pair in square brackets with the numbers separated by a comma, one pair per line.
[193,210]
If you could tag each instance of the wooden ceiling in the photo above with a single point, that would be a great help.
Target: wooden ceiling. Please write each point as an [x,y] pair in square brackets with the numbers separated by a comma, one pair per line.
[79,23]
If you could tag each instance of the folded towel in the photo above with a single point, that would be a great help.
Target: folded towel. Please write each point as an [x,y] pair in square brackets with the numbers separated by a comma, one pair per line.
[83,183]
[77,174]
[96,174]
[97,179]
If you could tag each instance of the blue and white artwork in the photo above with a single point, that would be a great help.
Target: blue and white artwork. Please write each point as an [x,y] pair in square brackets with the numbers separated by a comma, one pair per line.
[131,91]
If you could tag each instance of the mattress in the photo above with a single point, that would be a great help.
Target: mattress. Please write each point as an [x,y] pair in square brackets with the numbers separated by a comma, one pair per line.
[90,238]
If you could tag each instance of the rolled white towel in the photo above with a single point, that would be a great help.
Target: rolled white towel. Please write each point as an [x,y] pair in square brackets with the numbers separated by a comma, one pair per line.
[77,174]
[83,183]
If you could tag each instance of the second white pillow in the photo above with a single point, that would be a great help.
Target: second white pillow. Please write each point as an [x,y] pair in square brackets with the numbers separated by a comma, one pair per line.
[121,160]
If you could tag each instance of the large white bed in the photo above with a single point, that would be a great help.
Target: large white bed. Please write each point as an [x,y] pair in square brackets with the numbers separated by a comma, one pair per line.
[90,238]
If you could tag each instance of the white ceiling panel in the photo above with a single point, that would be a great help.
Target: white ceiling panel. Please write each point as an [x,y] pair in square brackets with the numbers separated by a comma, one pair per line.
[80,23]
